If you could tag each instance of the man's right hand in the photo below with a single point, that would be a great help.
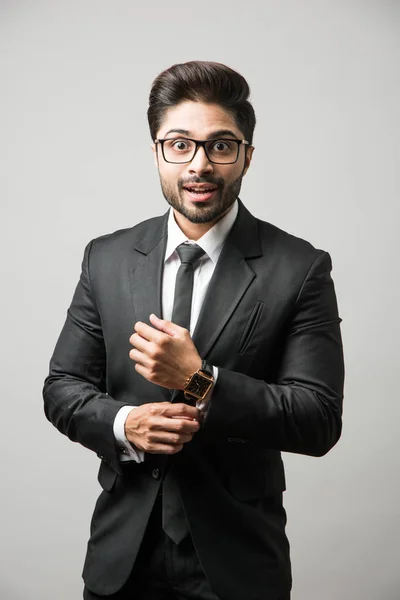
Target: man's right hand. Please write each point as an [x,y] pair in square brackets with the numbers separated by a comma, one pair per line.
[162,427]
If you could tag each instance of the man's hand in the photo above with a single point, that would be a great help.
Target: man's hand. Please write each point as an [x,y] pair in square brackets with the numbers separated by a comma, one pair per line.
[164,354]
[162,427]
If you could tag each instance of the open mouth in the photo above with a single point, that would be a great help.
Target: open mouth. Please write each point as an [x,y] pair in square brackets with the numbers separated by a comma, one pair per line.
[200,194]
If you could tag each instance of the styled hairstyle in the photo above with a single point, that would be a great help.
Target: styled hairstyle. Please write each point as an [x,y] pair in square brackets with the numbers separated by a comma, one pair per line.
[201,81]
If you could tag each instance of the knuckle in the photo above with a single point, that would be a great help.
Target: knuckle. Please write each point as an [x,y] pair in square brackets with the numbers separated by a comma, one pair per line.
[153,351]
[152,368]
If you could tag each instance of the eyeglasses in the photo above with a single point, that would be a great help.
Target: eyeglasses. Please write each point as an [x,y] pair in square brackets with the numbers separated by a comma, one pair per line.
[183,150]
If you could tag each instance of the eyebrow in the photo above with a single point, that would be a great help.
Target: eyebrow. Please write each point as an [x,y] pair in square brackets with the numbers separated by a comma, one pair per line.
[211,136]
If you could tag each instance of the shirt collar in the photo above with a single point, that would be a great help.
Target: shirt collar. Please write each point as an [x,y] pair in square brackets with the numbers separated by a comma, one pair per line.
[211,242]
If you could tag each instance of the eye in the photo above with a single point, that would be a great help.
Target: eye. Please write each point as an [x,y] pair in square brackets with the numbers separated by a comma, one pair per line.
[180,145]
[222,146]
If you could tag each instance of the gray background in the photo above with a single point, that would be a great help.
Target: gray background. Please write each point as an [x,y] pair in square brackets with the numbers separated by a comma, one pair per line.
[76,163]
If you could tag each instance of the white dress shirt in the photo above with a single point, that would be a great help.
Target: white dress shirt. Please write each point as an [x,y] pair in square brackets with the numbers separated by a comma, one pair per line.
[211,242]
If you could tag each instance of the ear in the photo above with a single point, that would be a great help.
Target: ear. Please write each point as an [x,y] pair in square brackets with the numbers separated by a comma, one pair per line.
[155,156]
[248,158]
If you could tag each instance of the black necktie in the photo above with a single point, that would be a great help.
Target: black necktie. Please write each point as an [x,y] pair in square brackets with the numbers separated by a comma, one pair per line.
[189,255]
[174,519]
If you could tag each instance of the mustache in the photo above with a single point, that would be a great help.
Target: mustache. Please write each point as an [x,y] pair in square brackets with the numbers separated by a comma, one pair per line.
[215,181]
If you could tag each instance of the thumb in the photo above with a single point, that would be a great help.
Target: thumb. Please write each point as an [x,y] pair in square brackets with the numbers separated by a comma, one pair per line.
[165,326]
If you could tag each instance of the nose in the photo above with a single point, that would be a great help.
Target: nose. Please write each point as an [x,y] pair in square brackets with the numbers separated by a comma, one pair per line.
[200,163]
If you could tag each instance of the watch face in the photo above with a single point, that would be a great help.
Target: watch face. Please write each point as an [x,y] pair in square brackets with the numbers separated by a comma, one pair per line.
[198,386]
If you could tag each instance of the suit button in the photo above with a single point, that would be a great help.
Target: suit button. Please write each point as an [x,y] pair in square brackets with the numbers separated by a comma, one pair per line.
[156,473]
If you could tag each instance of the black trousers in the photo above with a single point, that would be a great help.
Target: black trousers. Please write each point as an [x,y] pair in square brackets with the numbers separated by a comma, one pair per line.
[163,570]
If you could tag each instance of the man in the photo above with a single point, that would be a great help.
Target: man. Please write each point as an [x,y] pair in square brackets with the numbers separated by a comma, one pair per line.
[235,355]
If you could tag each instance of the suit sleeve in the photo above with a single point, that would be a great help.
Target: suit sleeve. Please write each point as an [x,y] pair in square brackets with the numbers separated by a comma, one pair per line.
[74,392]
[301,410]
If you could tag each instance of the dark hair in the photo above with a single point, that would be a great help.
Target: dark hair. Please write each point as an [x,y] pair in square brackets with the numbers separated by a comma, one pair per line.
[201,81]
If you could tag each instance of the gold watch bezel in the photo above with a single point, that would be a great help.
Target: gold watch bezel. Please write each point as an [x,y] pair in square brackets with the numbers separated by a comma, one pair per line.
[203,375]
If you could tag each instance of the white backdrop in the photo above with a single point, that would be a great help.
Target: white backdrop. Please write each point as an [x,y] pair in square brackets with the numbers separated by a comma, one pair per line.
[76,163]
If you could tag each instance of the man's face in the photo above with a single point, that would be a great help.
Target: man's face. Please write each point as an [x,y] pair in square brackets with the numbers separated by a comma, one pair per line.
[201,121]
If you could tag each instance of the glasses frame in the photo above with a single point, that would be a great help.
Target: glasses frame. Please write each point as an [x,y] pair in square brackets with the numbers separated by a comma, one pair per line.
[202,143]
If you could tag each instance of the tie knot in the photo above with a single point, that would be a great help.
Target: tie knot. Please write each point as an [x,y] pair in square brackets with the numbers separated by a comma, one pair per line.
[189,253]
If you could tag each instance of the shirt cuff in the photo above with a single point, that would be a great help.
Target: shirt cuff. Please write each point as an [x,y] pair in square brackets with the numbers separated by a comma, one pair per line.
[127,450]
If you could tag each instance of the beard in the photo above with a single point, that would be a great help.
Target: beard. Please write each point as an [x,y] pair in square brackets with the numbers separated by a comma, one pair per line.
[225,196]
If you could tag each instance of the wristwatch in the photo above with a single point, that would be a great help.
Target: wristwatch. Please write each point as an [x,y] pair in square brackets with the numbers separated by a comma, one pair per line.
[199,384]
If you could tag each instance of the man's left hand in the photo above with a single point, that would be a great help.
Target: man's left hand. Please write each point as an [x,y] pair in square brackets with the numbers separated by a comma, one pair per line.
[164,354]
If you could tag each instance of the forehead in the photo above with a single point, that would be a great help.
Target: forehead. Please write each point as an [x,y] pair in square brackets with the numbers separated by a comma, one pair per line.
[198,119]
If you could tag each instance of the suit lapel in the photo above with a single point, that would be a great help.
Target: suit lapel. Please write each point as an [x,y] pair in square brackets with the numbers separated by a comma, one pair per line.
[231,279]
[146,275]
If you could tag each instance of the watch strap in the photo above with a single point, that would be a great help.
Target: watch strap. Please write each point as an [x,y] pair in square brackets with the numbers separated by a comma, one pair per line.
[207,368]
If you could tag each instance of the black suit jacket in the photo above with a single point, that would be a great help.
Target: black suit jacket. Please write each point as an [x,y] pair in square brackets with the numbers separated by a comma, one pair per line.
[270,323]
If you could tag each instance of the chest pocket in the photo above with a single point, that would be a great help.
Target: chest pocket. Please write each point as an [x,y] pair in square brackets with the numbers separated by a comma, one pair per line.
[251,326]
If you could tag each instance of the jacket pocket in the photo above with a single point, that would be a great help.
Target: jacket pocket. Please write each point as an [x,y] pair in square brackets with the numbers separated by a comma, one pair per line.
[106,476]
[248,482]
[251,326]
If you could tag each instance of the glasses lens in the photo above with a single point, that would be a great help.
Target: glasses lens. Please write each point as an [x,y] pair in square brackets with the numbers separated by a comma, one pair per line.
[222,151]
[218,151]
[179,150]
